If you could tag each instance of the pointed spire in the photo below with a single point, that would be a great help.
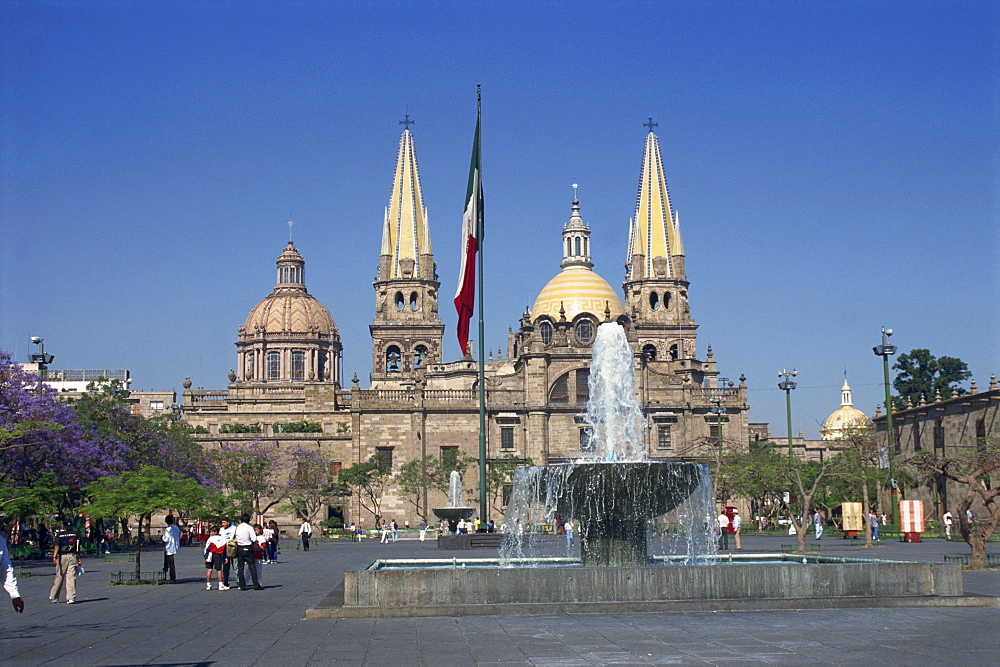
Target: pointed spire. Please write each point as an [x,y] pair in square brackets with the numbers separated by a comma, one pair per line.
[406,239]
[845,395]
[654,231]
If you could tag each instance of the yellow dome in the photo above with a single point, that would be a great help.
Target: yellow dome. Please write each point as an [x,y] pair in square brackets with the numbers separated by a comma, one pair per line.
[289,311]
[841,421]
[577,289]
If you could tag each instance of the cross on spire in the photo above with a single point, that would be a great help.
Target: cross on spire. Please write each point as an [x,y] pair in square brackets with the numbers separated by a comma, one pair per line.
[650,124]
[574,186]
[406,122]
[290,225]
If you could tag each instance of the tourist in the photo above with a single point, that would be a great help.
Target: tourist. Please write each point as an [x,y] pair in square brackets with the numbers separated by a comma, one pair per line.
[723,531]
[873,522]
[268,533]
[491,527]
[361,532]
[737,523]
[43,540]
[66,557]
[385,533]
[259,548]
[395,530]
[305,532]
[272,541]
[568,527]
[215,558]
[948,523]
[227,531]
[423,530]
[9,578]
[818,524]
[171,542]
[245,539]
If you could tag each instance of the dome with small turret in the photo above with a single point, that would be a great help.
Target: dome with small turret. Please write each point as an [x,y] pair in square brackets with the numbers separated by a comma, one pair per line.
[846,418]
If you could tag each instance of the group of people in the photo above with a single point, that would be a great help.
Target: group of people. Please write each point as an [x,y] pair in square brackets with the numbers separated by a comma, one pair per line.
[724,523]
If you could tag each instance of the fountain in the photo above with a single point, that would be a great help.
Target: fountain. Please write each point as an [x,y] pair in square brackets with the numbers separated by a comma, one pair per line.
[613,493]
[615,490]
[454,512]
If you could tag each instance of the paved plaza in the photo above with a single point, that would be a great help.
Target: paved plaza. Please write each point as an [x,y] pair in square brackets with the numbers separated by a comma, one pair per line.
[184,624]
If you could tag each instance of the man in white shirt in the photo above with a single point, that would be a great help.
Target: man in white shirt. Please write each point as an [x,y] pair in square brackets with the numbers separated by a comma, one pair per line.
[305,532]
[737,522]
[723,531]
[172,542]
[948,523]
[245,537]
[227,532]
[9,578]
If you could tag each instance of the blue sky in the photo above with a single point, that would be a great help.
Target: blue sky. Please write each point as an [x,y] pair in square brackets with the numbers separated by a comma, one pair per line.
[835,165]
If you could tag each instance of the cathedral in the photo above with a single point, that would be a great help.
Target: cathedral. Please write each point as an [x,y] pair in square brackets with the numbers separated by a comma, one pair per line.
[288,366]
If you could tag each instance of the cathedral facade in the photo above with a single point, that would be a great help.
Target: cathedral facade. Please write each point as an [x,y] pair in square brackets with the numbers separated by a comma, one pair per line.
[417,404]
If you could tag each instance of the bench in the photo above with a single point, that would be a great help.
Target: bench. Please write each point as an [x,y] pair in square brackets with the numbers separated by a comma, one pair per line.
[794,548]
[130,579]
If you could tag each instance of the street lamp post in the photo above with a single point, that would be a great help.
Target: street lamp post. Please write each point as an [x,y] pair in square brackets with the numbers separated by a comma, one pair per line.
[718,410]
[41,359]
[885,351]
[787,385]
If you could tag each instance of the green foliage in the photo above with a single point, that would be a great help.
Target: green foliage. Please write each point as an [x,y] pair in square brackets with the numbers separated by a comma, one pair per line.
[500,476]
[44,497]
[921,374]
[199,429]
[311,485]
[369,479]
[299,427]
[416,477]
[239,428]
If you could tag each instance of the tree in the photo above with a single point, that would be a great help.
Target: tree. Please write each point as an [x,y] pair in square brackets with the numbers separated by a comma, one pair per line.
[500,476]
[764,468]
[42,445]
[252,470]
[922,375]
[859,462]
[415,478]
[369,479]
[977,469]
[311,485]
[141,493]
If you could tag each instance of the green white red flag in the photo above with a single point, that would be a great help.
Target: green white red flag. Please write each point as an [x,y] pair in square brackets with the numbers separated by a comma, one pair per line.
[472,237]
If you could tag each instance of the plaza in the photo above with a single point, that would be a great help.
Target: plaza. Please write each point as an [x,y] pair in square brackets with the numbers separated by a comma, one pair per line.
[184,624]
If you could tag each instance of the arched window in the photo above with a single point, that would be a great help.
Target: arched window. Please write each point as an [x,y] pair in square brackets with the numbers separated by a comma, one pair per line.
[578,245]
[649,352]
[569,247]
[654,301]
[545,329]
[392,360]
[400,302]
[298,365]
[274,365]
[666,299]
[419,356]
[585,331]
[673,352]
[560,390]
[413,300]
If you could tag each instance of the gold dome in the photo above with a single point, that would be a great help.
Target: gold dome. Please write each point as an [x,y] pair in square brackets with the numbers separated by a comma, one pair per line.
[845,418]
[577,289]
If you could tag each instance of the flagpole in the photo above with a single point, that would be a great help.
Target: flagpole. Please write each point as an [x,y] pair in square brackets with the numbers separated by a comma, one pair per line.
[482,338]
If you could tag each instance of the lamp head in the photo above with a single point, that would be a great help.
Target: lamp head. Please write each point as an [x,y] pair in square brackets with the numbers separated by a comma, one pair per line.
[36,340]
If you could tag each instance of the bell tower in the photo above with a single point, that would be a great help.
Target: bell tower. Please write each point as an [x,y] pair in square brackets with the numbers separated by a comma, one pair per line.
[656,286]
[407,332]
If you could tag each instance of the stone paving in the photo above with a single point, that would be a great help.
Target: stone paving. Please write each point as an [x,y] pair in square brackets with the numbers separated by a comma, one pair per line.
[184,624]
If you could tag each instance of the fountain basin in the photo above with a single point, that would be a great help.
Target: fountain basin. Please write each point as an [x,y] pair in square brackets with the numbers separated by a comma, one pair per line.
[469,587]
[612,501]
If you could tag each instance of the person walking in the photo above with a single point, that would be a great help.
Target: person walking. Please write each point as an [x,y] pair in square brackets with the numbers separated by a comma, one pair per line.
[873,522]
[245,539]
[949,521]
[227,531]
[259,548]
[737,523]
[215,558]
[9,578]
[818,524]
[723,531]
[394,527]
[272,541]
[66,556]
[305,532]
[171,541]
[423,530]
[568,527]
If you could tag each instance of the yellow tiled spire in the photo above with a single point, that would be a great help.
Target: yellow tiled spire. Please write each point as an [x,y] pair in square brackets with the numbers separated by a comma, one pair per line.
[406,236]
[654,230]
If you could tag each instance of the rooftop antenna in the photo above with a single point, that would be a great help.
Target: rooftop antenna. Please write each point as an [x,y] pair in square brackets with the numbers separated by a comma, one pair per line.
[290,225]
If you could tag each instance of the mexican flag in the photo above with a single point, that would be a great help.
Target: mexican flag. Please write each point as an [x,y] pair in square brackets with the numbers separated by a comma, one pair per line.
[472,236]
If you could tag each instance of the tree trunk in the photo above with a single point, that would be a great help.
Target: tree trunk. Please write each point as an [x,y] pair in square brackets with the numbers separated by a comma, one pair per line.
[138,550]
[865,507]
